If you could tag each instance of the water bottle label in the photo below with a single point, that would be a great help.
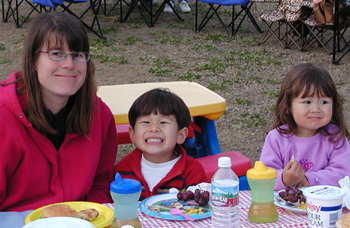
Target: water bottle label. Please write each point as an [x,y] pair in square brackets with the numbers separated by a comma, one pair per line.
[225,196]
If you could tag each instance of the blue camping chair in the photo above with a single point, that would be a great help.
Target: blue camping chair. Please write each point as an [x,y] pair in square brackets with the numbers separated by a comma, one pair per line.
[11,9]
[93,7]
[213,9]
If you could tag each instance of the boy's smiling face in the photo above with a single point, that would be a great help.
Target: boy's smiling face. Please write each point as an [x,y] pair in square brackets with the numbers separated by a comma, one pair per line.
[156,135]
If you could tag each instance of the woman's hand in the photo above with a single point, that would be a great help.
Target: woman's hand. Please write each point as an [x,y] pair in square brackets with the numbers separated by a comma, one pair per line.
[294,174]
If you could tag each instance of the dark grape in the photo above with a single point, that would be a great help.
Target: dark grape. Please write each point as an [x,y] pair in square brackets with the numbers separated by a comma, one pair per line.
[196,199]
[185,196]
[292,194]
[179,196]
[199,196]
[197,193]
[206,194]
[190,195]
[202,201]
[293,198]
[282,194]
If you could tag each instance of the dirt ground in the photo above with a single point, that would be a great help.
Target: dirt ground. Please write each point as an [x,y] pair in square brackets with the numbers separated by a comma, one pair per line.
[246,74]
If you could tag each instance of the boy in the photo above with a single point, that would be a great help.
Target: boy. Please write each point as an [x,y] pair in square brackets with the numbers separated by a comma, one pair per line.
[159,123]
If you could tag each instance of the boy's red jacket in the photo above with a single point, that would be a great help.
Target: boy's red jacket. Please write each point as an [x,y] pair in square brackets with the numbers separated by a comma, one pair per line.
[33,173]
[187,171]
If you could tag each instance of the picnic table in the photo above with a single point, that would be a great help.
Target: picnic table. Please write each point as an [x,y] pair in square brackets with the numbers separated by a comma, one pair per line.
[286,218]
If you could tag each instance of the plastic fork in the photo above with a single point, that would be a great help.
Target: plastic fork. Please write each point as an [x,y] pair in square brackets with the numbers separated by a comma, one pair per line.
[175,211]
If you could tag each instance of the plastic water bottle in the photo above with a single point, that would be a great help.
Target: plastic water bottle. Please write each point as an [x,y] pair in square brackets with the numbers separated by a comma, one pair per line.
[225,196]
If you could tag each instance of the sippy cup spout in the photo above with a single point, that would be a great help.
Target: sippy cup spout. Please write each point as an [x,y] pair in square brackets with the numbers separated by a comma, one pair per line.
[118,178]
[259,166]
[261,172]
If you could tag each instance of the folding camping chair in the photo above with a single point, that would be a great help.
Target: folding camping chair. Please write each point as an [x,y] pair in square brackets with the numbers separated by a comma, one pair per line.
[339,31]
[317,34]
[93,7]
[146,9]
[11,9]
[213,9]
[329,33]
[48,5]
[114,3]
[283,23]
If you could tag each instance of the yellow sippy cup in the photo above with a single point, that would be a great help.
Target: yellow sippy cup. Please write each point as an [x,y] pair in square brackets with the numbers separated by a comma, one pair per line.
[261,180]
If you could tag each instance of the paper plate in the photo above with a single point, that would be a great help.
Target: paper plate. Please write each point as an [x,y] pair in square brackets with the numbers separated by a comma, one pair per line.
[59,222]
[159,206]
[290,207]
[105,217]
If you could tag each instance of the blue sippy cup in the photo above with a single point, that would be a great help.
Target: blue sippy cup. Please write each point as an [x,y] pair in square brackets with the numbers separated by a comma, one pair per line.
[125,193]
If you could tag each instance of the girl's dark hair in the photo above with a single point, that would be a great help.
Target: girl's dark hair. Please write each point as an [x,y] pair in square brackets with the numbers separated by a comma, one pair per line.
[301,79]
[63,27]
[160,101]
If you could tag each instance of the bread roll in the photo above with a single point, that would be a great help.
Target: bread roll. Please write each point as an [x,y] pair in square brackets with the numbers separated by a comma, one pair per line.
[59,210]
[343,221]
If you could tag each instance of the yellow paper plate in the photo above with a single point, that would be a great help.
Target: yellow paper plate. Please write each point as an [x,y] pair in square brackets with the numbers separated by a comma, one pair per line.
[104,219]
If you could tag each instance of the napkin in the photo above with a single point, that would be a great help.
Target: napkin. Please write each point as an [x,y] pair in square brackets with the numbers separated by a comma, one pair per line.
[345,185]
[202,186]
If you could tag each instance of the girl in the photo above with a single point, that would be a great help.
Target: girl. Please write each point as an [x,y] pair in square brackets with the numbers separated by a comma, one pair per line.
[309,141]
[58,139]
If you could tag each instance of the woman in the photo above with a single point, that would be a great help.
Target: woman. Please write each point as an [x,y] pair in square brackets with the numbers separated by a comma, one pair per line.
[58,139]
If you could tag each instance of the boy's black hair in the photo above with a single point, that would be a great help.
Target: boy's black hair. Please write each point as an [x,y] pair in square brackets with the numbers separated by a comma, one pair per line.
[160,100]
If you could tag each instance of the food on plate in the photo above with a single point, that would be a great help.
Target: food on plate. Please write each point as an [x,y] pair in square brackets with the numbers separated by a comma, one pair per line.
[88,214]
[62,210]
[191,210]
[343,221]
[199,196]
[163,206]
[292,195]
[302,206]
[177,205]
[59,210]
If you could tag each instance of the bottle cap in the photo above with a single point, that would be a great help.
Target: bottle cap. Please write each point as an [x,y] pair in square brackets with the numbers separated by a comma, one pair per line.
[224,162]
[125,185]
[261,172]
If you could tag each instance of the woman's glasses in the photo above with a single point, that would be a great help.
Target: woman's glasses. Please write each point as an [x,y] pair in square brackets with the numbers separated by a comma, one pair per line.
[80,57]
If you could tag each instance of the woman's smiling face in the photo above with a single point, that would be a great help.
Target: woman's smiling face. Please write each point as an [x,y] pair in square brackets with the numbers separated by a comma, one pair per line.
[59,79]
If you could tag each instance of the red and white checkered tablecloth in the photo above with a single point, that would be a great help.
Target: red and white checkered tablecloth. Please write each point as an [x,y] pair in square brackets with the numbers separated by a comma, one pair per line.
[286,218]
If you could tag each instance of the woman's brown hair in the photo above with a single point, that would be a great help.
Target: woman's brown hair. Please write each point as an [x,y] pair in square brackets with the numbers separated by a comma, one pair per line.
[61,26]
[301,79]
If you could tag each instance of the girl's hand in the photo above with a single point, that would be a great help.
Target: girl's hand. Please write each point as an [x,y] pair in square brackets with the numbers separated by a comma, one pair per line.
[293,174]
[303,183]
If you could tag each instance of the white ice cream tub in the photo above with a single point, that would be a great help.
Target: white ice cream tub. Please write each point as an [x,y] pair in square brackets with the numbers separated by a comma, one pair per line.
[324,205]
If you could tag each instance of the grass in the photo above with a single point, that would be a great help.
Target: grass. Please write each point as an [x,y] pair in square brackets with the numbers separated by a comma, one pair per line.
[5,61]
[215,65]
[2,46]
[250,120]
[162,67]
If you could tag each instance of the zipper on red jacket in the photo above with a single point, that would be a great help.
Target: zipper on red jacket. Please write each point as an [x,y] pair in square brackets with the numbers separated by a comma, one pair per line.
[59,176]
